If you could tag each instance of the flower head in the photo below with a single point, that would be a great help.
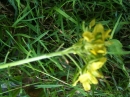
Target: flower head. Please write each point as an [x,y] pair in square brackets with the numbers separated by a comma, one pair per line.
[98,32]
[93,43]
[86,79]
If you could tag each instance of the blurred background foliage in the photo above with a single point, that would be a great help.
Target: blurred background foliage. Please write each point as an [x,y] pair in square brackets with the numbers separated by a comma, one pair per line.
[30,28]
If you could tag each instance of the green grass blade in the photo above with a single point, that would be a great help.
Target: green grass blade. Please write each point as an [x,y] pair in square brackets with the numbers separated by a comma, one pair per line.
[66,15]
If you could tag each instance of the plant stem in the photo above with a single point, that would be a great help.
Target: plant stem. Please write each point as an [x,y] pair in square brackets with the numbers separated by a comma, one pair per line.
[20,62]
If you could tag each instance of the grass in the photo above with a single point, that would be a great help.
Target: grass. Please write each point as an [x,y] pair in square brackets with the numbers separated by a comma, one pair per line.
[33,28]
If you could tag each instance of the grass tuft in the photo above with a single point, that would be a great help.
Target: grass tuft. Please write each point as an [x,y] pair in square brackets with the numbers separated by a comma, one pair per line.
[30,28]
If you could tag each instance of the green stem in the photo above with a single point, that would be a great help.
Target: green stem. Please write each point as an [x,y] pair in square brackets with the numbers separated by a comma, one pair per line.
[16,63]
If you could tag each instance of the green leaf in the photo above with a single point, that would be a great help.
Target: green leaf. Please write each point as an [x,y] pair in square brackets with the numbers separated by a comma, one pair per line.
[116,48]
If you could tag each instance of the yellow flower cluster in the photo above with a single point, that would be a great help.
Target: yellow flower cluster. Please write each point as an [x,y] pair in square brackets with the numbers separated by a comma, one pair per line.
[89,76]
[96,36]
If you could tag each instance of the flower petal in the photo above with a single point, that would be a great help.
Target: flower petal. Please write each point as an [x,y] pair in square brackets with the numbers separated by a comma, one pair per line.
[92,79]
[106,34]
[86,86]
[88,36]
[84,77]
[92,23]
[97,65]
[98,29]
[98,50]
[97,74]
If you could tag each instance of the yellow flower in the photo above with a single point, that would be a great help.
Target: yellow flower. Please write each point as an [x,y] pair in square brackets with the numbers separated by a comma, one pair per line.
[92,23]
[94,41]
[98,50]
[89,76]
[98,29]
[86,79]
[99,41]
[96,65]
[96,73]
[97,33]
[92,79]
[88,36]
[106,34]
[86,86]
